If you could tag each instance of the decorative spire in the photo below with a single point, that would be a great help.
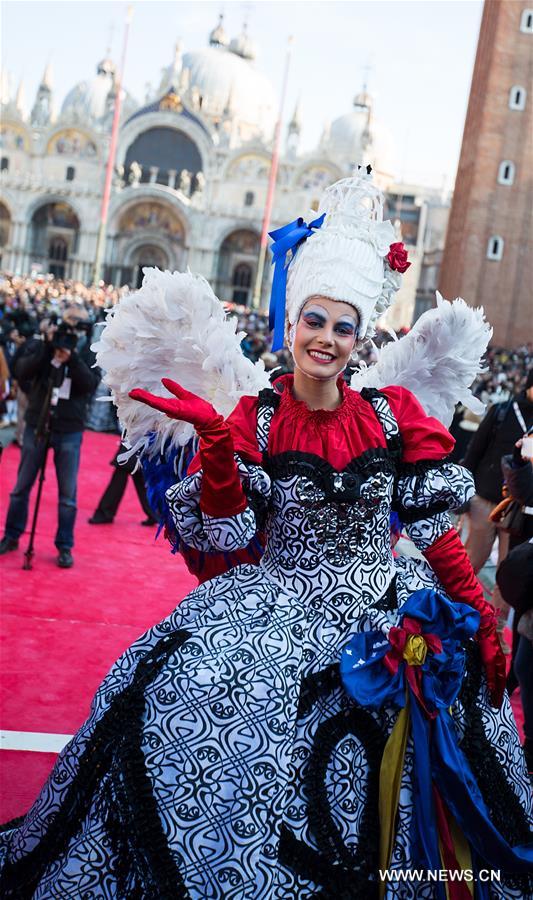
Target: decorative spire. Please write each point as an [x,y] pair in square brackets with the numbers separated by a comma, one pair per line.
[363,99]
[20,100]
[242,45]
[185,80]
[218,37]
[46,80]
[106,67]
[295,125]
[326,133]
[170,75]
[178,51]
[294,130]
[41,114]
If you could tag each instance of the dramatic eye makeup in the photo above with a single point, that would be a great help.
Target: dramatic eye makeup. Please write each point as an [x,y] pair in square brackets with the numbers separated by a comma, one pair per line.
[314,317]
[346,327]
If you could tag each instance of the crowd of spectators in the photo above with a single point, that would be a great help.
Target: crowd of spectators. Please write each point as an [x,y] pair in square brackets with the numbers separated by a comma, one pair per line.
[30,304]
[506,373]
[32,313]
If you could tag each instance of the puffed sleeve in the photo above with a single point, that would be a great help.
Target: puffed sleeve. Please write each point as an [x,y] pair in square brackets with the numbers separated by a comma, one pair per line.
[428,484]
[223,526]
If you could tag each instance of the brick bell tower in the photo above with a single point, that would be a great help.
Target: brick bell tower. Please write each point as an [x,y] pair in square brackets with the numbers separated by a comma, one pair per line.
[488,257]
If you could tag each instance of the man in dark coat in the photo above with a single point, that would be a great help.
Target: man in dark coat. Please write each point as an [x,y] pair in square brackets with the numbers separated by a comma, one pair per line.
[504,424]
[515,580]
[61,382]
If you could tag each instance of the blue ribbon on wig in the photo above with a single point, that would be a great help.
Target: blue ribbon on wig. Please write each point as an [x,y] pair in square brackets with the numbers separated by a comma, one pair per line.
[438,757]
[289,237]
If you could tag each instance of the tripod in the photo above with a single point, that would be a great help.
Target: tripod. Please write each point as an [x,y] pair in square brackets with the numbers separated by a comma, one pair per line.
[42,433]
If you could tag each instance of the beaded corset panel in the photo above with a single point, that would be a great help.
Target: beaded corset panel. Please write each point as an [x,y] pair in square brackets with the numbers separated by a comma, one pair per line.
[328,531]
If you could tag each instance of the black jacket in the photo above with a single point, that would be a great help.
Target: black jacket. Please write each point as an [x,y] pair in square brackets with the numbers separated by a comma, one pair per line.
[515,578]
[35,368]
[495,438]
[519,480]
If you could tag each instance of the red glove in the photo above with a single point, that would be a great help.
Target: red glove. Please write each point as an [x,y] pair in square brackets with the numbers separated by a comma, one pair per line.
[449,560]
[221,494]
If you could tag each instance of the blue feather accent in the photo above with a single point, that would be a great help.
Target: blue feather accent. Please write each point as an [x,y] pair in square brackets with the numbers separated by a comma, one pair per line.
[160,473]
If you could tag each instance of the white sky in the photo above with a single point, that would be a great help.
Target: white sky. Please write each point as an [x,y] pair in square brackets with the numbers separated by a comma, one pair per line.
[418,56]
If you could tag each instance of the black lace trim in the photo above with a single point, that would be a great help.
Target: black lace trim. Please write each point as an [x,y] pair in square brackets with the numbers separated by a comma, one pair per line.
[422,467]
[337,883]
[419,469]
[504,807]
[268,397]
[340,871]
[316,685]
[134,825]
[12,824]
[259,505]
[320,471]
[360,723]
[408,515]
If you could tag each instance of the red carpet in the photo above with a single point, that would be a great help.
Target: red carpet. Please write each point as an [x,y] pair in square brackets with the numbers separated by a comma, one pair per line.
[62,629]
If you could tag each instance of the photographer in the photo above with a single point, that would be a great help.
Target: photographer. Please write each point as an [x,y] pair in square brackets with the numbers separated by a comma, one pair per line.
[515,580]
[61,381]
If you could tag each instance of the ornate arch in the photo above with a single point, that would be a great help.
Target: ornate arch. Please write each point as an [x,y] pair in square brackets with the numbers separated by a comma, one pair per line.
[237,225]
[71,140]
[320,165]
[136,244]
[149,194]
[250,165]
[45,199]
[239,248]
[166,119]
[53,235]
[147,219]
[10,131]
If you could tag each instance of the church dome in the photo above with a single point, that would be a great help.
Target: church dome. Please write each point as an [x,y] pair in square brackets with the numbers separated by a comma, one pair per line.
[89,101]
[225,81]
[358,138]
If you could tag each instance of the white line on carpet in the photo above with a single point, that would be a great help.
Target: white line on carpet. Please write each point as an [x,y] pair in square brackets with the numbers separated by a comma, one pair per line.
[38,741]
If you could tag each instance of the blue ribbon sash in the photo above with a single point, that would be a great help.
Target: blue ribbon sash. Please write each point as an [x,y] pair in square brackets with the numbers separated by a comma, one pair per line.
[289,237]
[438,759]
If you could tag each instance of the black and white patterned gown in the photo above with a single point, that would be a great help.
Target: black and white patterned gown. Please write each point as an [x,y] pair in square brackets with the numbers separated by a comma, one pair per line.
[222,758]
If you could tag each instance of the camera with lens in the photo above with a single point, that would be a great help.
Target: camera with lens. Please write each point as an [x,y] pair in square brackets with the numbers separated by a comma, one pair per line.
[65,338]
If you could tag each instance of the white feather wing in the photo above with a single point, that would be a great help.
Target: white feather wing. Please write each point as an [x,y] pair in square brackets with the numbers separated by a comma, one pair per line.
[173,327]
[438,360]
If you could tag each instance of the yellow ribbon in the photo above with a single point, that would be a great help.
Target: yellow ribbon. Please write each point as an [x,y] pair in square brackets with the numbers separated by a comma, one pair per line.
[461,847]
[390,779]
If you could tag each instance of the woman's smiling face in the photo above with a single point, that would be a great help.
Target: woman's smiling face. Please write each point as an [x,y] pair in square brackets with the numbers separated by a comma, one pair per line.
[324,337]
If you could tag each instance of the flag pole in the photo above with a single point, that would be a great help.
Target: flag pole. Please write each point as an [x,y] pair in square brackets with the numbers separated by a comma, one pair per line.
[104,210]
[256,300]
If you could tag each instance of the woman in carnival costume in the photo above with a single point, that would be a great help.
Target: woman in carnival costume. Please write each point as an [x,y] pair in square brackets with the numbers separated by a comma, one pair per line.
[296,726]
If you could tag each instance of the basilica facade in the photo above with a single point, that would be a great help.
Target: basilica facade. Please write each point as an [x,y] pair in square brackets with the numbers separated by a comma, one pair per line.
[191,173]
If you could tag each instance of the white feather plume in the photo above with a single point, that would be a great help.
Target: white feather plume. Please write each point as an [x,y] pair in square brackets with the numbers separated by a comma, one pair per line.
[438,360]
[173,327]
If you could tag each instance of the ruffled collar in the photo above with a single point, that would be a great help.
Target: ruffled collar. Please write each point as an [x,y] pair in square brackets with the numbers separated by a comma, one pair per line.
[299,410]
